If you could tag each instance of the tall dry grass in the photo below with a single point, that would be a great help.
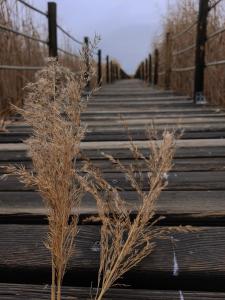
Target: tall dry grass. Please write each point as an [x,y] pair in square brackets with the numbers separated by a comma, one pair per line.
[125,242]
[20,51]
[53,109]
[182,15]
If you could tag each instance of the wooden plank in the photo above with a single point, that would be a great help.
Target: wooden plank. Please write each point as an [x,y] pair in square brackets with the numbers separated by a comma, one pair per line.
[143,127]
[127,145]
[18,137]
[120,122]
[203,127]
[210,152]
[179,164]
[179,207]
[146,116]
[176,122]
[190,181]
[200,258]
[132,98]
[42,292]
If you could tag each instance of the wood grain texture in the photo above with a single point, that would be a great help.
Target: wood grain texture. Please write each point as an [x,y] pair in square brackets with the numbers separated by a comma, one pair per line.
[198,255]
[19,137]
[42,292]
[178,207]
[177,181]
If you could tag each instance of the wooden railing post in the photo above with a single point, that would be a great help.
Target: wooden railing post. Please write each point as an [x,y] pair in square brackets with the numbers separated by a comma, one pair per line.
[118,72]
[107,69]
[86,45]
[142,71]
[111,72]
[52,29]
[150,69]
[146,70]
[168,61]
[139,72]
[115,72]
[99,67]
[200,51]
[156,67]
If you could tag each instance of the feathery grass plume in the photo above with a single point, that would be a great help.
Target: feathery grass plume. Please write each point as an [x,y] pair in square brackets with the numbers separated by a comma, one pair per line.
[124,243]
[53,109]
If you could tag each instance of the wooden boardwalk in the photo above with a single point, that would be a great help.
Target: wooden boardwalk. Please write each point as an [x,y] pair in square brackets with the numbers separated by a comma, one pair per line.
[186,266]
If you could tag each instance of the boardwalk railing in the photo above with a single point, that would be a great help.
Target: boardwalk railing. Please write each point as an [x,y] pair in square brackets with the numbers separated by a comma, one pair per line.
[112,69]
[165,63]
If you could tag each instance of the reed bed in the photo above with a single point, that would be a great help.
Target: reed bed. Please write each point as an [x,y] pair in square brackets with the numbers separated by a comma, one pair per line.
[17,50]
[182,16]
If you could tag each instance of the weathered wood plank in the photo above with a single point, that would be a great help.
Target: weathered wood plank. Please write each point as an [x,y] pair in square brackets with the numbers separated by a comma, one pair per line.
[19,137]
[177,181]
[127,145]
[42,292]
[199,256]
[179,207]
[179,164]
[209,152]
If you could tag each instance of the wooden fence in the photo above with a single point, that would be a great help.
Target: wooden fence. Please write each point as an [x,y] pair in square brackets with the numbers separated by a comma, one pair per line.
[149,70]
[113,71]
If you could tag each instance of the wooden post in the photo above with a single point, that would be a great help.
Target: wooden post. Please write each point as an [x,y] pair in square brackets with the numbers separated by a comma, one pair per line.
[200,51]
[99,67]
[156,68]
[150,69]
[52,29]
[139,71]
[146,70]
[142,71]
[107,69]
[86,45]
[111,72]
[118,72]
[168,61]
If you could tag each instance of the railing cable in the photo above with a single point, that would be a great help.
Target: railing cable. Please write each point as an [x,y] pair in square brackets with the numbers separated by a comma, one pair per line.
[69,35]
[185,30]
[215,63]
[183,69]
[67,53]
[214,34]
[5,28]
[184,50]
[20,68]
[214,4]
[33,8]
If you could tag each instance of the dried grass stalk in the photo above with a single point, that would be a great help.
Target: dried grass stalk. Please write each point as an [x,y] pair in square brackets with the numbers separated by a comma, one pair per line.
[53,109]
[124,243]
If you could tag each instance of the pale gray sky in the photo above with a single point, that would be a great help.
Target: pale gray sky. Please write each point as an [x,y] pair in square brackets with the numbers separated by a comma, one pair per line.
[127,27]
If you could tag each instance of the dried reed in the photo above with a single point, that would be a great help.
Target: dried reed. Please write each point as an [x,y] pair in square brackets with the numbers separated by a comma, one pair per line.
[53,109]
[124,243]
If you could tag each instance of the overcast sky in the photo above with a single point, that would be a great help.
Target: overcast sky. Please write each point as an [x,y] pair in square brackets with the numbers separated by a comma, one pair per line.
[127,27]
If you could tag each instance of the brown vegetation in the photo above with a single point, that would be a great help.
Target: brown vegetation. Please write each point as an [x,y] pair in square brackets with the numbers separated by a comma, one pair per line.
[182,16]
[53,108]
[124,243]
[17,50]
